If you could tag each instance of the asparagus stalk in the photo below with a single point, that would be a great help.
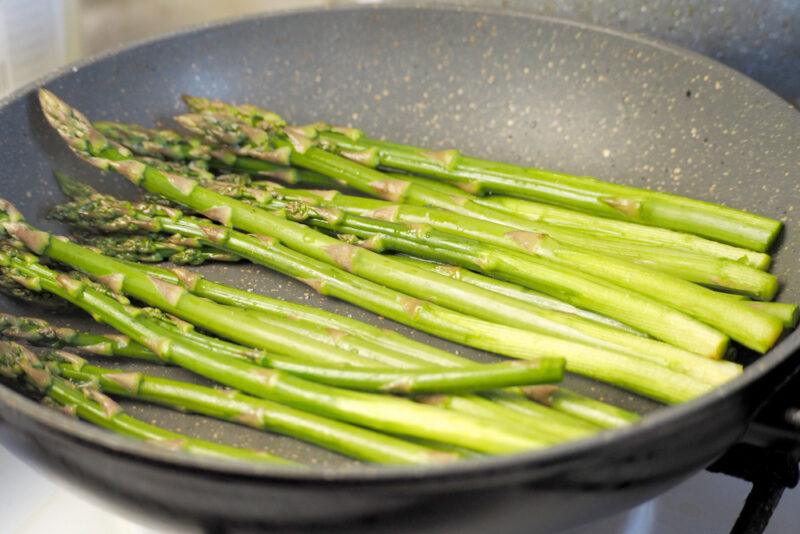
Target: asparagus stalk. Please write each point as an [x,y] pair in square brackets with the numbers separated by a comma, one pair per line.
[424,379]
[703,369]
[233,324]
[145,249]
[523,316]
[749,327]
[648,316]
[697,268]
[113,245]
[388,414]
[126,216]
[625,230]
[709,370]
[91,145]
[103,212]
[580,406]
[90,405]
[617,235]
[584,193]
[785,312]
[559,428]
[40,333]
[273,333]
[236,407]
[546,420]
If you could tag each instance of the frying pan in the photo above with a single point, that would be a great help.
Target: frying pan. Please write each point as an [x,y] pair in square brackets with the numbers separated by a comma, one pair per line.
[510,87]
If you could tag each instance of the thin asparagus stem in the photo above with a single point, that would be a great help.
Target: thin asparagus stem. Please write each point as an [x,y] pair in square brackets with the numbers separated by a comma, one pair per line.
[237,326]
[583,193]
[546,420]
[40,333]
[783,311]
[601,413]
[160,144]
[749,327]
[518,314]
[145,249]
[706,270]
[594,225]
[746,325]
[515,291]
[587,194]
[89,404]
[90,144]
[423,379]
[706,369]
[389,414]
[236,407]
[703,369]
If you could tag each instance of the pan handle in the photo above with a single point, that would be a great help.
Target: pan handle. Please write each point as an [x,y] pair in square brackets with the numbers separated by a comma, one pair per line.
[791,416]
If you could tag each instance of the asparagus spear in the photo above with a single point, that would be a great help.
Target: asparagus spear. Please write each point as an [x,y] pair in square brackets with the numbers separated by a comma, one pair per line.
[783,311]
[560,427]
[710,370]
[379,412]
[234,324]
[17,362]
[703,369]
[513,313]
[146,249]
[617,235]
[122,215]
[749,327]
[697,268]
[40,333]
[236,407]
[595,225]
[578,405]
[584,193]
[648,315]
[91,145]
[113,245]
[424,379]
[37,331]
[546,420]
[746,325]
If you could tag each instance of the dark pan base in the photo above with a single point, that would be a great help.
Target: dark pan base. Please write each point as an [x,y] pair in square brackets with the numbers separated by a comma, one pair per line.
[513,88]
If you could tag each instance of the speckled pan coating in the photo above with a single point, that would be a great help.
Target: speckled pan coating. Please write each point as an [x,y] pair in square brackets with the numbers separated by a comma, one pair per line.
[520,89]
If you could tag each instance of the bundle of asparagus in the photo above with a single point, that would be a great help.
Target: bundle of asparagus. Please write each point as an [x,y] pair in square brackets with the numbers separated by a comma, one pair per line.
[617,293]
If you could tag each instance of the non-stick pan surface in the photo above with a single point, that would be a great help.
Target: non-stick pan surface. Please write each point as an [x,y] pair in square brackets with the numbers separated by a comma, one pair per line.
[509,87]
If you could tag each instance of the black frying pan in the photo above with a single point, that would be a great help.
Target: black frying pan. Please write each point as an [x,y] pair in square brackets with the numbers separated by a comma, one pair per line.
[518,88]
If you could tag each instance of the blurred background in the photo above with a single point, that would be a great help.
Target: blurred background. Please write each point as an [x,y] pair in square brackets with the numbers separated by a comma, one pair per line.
[760,38]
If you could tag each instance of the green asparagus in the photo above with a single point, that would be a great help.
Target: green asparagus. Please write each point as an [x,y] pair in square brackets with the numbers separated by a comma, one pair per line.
[17,362]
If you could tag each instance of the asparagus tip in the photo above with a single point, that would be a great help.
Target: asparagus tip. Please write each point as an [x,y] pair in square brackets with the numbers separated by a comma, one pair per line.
[11,212]
[72,187]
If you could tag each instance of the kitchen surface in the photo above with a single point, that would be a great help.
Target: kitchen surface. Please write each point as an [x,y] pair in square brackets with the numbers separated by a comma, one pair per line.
[761,39]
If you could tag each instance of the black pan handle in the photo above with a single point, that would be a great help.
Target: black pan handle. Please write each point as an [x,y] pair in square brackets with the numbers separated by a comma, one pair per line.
[792,417]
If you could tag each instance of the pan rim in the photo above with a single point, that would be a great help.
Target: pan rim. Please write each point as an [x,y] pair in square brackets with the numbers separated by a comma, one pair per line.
[553,456]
